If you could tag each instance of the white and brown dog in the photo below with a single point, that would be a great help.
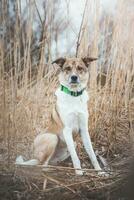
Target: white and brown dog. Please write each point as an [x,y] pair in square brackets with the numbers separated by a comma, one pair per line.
[70,115]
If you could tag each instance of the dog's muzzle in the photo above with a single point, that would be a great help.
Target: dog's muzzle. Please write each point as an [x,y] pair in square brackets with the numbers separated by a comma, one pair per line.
[74,79]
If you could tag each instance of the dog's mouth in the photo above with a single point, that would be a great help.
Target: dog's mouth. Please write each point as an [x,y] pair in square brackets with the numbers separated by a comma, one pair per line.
[74,82]
[74,85]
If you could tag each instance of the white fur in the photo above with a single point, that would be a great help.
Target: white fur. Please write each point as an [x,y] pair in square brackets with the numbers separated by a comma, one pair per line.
[20,161]
[74,115]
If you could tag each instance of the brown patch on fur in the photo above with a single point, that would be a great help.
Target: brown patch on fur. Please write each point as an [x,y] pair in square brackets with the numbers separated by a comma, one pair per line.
[60,61]
[88,60]
[73,65]
[55,126]
[45,144]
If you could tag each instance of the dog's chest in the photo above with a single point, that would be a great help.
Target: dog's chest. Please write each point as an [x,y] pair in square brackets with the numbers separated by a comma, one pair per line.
[72,109]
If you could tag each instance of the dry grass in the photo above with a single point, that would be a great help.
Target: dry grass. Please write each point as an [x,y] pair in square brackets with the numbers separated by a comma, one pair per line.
[27,89]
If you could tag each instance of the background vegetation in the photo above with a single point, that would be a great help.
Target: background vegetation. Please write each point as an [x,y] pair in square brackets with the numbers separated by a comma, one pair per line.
[28,43]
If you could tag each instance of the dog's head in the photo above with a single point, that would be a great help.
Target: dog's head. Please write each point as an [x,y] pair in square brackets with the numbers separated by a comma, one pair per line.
[74,72]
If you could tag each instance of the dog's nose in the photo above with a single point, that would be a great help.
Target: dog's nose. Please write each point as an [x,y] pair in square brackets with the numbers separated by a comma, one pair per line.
[74,78]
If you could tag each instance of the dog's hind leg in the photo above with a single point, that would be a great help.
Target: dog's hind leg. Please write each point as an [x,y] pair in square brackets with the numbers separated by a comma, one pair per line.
[45,164]
[45,146]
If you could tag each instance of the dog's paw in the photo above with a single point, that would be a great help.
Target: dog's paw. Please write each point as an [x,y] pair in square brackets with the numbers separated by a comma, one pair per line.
[79,172]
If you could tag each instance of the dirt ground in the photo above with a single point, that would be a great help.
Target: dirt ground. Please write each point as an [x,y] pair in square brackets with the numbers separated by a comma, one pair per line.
[12,188]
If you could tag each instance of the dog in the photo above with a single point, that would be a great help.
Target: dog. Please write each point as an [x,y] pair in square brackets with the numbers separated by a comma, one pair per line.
[69,116]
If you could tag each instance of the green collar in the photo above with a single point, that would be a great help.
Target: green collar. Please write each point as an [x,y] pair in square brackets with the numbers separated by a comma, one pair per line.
[72,93]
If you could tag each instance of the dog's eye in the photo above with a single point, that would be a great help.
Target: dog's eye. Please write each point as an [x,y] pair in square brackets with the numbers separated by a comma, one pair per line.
[68,68]
[79,68]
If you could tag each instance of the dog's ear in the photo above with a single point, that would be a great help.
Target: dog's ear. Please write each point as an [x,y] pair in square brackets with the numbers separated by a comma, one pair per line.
[60,61]
[88,60]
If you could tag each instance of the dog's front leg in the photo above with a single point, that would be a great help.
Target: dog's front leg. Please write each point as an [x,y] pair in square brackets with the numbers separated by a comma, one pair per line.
[67,132]
[89,148]
[87,142]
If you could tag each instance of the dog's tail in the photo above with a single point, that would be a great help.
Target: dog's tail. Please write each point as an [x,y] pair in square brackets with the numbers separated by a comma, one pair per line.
[20,161]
